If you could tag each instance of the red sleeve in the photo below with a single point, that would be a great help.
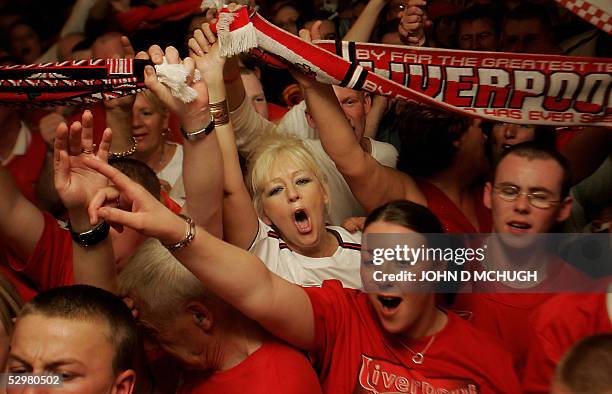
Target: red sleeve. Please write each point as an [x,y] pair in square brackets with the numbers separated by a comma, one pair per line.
[24,288]
[26,169]
[329,308]
[146,17]
[50,264]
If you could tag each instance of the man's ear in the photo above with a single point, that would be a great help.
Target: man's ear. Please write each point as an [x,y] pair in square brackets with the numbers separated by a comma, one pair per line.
[202,315]
[310,120]
[565,209]
[367,102]
[487,195]
[124,382]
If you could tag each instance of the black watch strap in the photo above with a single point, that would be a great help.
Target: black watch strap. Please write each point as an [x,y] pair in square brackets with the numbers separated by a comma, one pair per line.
[90,237]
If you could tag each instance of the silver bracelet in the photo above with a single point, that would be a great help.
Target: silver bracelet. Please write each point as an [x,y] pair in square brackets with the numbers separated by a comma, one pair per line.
[191,232]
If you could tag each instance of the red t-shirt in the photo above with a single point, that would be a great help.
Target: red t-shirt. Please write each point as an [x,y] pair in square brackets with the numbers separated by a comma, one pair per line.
[26,169]
[556,326]
[505,311]
[453,220]
[50,264]
[273,368]
[24,287]
[353,354]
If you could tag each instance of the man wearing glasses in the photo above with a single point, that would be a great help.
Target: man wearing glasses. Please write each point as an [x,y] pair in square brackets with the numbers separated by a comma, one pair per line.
[529,195]
[530,190]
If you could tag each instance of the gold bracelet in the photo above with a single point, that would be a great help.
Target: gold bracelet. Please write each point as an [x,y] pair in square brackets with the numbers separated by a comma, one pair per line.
[125,153]
[220,113]
[191,232]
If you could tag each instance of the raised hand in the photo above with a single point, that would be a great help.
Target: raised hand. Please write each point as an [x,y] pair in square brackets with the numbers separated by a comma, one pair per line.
[75,182]
[204,49]
[194,115]
[137,208]
[413,23]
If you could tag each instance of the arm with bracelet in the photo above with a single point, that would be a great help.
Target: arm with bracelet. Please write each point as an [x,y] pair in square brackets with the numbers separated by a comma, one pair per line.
[235,275]
[202,165]
[76,184]
[240,223]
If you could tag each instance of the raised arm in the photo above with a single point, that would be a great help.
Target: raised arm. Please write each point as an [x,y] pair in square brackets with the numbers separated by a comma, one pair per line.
[235,275]
[202,164]
[240,223]
[249,126]
[21,222]
[76,185]
[362,172]
[364,25]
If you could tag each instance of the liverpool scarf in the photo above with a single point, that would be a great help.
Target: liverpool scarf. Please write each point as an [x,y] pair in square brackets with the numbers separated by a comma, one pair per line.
[508,87]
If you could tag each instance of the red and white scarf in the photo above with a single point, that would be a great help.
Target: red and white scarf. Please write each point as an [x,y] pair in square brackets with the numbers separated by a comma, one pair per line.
[509,87]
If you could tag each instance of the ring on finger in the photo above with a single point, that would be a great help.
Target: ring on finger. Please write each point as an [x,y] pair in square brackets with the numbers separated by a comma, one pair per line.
[88,151]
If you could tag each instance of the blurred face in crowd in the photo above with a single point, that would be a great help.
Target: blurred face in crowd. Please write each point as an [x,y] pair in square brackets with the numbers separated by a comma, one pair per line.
[255,93]
[505,135]
[149,124]
[356,106]
[477,35]
[543,179]
[527,36]
[398,311]
[108,46]
[471,149]
[294,202]
[286,18]
[79,350]
[186,336]
[25,43]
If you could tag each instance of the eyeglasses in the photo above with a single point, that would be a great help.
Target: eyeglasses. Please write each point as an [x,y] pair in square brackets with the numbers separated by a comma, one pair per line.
[540,200]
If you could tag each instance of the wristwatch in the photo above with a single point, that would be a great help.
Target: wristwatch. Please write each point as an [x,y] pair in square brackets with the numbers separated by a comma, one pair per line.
[196,135]
[91,237]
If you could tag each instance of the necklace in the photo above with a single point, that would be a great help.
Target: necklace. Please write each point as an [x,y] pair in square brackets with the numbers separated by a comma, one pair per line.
[419,356]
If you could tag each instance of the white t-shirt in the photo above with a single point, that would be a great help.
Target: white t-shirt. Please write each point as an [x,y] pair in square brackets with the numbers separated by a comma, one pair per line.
[310,271]
[173,170]
[249,125]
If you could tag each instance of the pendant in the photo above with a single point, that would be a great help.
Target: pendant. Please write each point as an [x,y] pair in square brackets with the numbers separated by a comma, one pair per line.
[418,358]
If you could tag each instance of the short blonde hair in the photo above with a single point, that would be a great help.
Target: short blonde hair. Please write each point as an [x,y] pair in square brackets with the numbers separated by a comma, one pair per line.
[159,281]
[274,148]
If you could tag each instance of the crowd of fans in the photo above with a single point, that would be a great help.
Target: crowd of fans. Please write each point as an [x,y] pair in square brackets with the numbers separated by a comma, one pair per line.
[153,245]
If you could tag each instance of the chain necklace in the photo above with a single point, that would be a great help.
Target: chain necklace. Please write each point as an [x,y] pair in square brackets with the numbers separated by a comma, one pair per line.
[418,356]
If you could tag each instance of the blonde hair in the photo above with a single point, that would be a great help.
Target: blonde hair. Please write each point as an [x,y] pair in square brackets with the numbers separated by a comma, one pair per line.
[10,303]
[155,102]
[275,148]
[159,281]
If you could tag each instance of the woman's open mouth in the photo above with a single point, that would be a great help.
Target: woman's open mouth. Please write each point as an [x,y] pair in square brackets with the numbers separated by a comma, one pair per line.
[302,221]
